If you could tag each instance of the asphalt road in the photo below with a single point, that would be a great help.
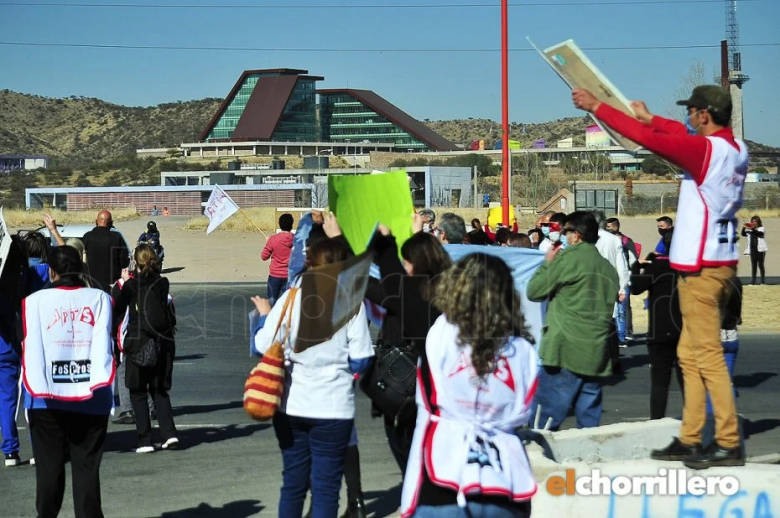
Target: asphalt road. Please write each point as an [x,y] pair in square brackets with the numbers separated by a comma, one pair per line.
[229,465]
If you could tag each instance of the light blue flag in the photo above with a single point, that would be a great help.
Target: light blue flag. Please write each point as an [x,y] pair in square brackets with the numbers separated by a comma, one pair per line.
[523,262]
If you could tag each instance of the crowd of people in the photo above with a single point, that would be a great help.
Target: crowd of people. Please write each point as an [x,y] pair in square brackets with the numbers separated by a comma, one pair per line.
[75,313]
[455,371]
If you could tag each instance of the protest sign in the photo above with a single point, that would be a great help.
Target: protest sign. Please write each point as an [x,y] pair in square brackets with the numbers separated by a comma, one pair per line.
[495,216]
[330,295]
[219,208]
[359,202]
[577,71]
[523,262]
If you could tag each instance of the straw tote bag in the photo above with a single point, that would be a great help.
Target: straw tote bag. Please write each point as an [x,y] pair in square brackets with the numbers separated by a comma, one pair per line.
[265,383]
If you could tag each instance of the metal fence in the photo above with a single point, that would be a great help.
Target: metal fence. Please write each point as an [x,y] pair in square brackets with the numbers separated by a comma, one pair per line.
[642,205]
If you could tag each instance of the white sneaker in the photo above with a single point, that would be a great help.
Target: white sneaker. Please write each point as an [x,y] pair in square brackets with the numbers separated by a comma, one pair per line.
[145,449]
[171,444]
[32,461]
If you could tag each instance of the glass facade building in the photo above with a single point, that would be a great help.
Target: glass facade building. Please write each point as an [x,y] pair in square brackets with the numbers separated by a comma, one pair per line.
[344,119]
[298,119]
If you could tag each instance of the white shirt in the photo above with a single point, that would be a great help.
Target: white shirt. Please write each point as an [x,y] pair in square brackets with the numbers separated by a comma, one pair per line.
[318,381]
[611,248]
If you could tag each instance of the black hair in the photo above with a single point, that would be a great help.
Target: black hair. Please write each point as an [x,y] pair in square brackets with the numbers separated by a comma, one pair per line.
[37,246]
[665,219]
[429,261]
[558,217]
[316,234]
[286,222]
[585,223]
[502,235]
[66,261]
[613,221]
[758,220]
[721,118]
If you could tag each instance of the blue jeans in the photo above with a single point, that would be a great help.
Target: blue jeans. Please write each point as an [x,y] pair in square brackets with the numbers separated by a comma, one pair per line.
[560,389]
[475,510]
[621,320]
[10,369]
[312,450]
[276,286]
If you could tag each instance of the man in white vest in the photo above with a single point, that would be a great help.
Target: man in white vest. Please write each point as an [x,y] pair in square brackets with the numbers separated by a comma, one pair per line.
[703,250]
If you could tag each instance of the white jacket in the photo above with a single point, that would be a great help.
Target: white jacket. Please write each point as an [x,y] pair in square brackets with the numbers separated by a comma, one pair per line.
[318,381]
[464,434]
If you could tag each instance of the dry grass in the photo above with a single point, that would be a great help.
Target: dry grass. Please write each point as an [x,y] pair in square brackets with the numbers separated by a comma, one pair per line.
[16,218]
[264,217]
[758,303]
[742,214]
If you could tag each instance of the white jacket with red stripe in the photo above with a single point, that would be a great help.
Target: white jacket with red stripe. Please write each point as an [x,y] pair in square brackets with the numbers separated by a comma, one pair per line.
[464,436]
[705,234]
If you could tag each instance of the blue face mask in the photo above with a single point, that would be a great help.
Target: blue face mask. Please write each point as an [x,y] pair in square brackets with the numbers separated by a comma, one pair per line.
[689,127]
[564,241]
[546,231]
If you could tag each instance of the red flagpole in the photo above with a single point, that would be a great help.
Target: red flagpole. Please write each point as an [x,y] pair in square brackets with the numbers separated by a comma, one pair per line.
[505,111]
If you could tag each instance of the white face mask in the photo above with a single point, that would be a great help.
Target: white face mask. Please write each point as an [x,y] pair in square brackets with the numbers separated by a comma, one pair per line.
[554,236]
[426,227]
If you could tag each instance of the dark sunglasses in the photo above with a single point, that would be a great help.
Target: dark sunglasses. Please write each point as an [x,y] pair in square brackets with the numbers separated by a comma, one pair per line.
[544,225]
[566,230]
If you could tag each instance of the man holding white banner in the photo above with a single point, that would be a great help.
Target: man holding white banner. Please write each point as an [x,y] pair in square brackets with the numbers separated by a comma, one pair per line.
[219,208]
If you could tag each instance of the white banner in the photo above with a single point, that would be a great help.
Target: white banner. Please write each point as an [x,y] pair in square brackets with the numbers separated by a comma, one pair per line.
[219,208]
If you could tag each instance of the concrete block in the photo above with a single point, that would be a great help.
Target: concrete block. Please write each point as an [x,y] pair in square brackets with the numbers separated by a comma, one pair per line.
[757,497]
[620,441]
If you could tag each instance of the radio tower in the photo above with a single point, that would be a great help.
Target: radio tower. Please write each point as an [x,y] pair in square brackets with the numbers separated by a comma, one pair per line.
[736,77]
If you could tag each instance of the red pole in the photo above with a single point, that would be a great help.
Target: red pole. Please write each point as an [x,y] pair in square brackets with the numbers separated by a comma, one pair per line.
[505,111]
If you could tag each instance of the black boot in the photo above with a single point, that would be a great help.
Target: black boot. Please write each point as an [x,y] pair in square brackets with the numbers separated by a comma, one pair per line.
[676,451]
[356,508]
[715,456]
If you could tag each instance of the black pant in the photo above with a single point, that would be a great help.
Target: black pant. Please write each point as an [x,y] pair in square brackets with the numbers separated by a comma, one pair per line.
[757,260]
[54,434]
[663,357]
[143,424]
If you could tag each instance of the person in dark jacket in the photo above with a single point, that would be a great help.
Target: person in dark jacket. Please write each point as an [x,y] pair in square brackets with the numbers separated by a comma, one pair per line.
[657,277]
[107,254]
[141,327]
[477,236]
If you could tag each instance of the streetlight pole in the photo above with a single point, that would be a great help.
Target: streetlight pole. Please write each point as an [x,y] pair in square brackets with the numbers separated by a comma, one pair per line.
[505,111]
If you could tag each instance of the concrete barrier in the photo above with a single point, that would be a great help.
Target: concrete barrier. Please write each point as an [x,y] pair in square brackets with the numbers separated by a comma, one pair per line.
[620,441]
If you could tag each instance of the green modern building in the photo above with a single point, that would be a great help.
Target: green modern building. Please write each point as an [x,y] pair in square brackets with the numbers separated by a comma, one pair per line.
[275,105]
[349,116]
[280,106]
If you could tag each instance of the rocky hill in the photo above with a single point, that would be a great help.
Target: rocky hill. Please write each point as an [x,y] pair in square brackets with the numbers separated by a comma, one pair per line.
[82,131]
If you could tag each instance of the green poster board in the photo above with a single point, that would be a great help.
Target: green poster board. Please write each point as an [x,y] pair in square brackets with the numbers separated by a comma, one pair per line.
[360,202]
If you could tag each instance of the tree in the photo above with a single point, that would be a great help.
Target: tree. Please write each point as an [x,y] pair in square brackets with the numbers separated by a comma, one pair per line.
[656,165]
[697,75]
[83,181]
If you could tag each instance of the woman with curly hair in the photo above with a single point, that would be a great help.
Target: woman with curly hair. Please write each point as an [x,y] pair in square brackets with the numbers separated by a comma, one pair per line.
[476,381]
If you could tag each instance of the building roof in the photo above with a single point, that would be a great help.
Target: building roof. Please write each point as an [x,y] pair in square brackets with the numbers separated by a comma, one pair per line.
[285,73]
[397,116]
[265,107]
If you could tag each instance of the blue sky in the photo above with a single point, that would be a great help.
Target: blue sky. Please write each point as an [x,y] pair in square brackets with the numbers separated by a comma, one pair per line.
[442,85]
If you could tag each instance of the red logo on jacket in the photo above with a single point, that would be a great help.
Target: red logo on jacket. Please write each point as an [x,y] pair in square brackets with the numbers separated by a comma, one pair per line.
[66,316]
[503,372]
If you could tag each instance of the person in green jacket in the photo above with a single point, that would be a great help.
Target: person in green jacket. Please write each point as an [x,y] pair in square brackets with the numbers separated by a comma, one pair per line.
[581,289]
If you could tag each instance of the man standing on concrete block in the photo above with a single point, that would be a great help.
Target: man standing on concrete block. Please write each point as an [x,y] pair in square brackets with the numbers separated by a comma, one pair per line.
[581,287]
[703,250]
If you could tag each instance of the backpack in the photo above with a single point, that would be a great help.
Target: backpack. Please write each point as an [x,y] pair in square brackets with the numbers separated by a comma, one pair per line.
[155,312]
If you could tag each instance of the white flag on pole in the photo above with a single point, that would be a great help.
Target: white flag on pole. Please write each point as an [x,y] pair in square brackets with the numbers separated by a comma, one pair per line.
[219,208]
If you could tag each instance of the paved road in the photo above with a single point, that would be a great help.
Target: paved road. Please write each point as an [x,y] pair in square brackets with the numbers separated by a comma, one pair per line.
[230,466]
